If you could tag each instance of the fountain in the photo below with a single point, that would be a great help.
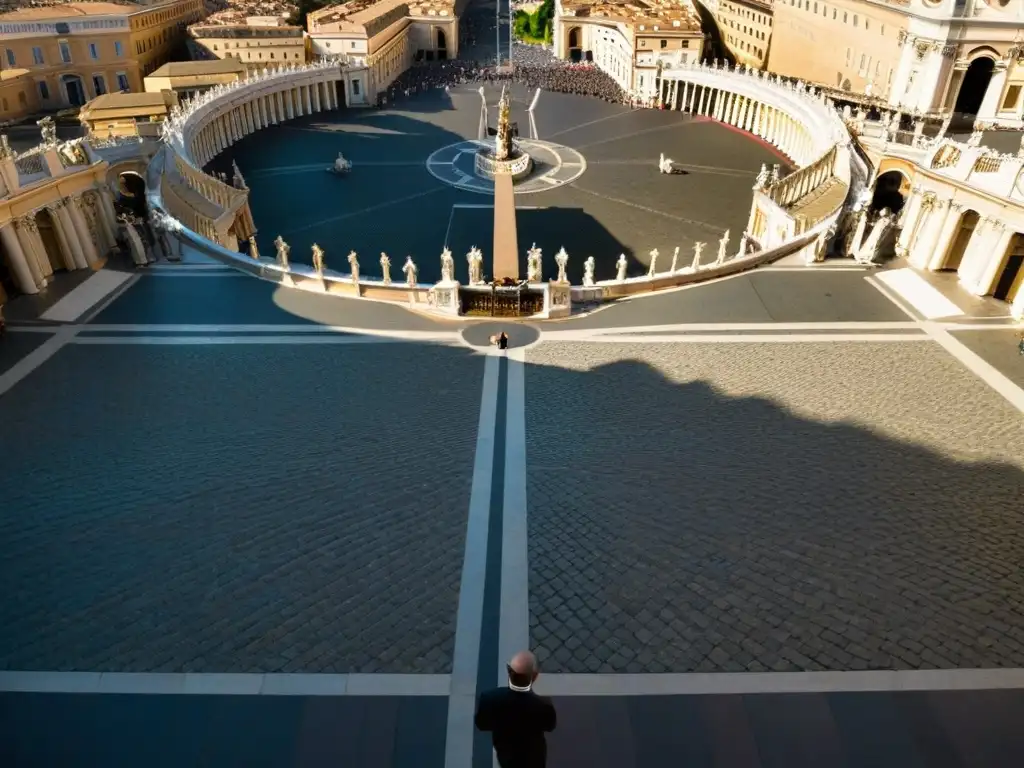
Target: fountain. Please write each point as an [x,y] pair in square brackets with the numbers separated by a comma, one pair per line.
[506,158]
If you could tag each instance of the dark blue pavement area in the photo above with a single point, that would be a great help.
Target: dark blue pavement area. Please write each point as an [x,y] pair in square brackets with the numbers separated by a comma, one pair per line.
[111,731]
[201,301]
[951,729]
[817,296]
[15,345]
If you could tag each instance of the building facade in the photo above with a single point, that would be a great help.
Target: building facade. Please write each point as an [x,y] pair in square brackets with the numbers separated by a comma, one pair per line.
[745,27]
[629,42]
[386,37]
[61,56]
[960,58]
[257,43]
[116,115]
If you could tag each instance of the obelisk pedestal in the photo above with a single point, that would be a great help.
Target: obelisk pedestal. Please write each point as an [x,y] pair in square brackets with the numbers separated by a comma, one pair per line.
[506,244]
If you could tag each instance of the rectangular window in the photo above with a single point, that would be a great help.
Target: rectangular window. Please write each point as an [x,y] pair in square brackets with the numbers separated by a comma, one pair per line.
[44,91]
[65,51]
[94,52]
[118,51]
[863,57]
[866,25]
[855,19]
[99,86]
[355,87]
[834,14]
[1012,97]
[849,55]
[37,55]
[11,60]
[664,43]
[686,43]
[122,82]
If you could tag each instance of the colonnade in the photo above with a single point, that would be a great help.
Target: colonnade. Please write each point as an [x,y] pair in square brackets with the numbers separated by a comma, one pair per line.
[773,125]
[258,111]
[84,226]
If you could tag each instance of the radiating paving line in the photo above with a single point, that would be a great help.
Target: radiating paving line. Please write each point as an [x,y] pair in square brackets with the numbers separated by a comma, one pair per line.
[733,683]
[36,358]
[87,295]
[514,631]
[241,684]
[583,333]
[753,338]
[309,328]
[973,362]
[307,339]
[469,616]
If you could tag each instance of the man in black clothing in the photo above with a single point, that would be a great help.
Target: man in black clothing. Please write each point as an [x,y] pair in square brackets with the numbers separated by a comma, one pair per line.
[517,717]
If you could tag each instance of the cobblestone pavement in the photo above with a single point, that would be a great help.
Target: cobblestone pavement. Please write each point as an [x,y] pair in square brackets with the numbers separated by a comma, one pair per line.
[236,508]
[771,507]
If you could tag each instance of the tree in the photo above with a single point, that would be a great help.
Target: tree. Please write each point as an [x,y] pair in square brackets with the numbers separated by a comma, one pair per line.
[548,33]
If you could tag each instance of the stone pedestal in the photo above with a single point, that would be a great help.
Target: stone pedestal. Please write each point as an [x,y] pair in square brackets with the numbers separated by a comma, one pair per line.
[506,244]
[445,298]
[557,300]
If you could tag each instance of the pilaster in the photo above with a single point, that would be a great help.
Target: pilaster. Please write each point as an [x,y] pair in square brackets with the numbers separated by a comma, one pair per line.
[19,263]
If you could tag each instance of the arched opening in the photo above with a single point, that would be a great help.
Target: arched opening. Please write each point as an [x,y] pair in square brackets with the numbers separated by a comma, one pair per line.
[575,45]
[442,41]
[74,89]
[958,246]
[974,85]
[131,189]
[1010,280]
[51,243]
[891,189]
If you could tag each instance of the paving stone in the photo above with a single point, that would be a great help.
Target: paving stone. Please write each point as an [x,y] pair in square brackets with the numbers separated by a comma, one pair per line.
[236,508]
[820,499]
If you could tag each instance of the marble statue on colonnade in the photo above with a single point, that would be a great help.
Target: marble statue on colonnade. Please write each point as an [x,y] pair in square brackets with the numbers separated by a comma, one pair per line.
[447,267]
[698,248]
[675,259]
[409,270]
[652,270]
[588,271]
[869,252]
[353,263]
[723,244]
[762,177]
[318,260]
[254,249]
[620,268]
[562,260]
[475,259]
[534,269]
[48,131]
[282,251]
[385,268]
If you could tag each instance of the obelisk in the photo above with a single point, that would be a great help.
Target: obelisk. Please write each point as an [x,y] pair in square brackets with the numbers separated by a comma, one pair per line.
[506,246]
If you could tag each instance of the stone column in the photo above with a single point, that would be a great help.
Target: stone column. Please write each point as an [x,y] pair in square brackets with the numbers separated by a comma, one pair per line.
[309,98]
[25,228]
[70,235]
[316,96]
[74,207]
[19,263]
[109,232]
[994,93]
[911,218]
[289,108]
[106,205]
[985,271]
[934,227]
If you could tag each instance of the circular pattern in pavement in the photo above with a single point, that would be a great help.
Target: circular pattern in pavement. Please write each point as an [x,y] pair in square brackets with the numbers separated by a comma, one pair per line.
[519,334]
[553,166]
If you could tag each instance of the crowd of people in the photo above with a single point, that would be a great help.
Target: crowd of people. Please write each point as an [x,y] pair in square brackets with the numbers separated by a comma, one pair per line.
[531,67]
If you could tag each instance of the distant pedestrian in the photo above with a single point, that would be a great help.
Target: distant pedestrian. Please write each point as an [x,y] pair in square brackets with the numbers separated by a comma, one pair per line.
[516,717]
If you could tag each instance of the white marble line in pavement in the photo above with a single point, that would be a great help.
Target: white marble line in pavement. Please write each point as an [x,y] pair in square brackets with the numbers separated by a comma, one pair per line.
[181,266]
[85,296]
[903,325]
[732,683]
[1013,394]
[36,358]
[308,339]
[469,614]
[514,626]
[919,293]
[756,338]
[183,273]
[241,684]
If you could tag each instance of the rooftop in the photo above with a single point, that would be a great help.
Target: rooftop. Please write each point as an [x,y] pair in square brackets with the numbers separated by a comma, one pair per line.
[71,10]
[363,11]
[654,15]
[127,103]
[194,68]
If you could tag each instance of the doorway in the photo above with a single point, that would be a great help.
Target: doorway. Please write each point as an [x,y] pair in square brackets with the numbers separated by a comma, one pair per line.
[51,243]
[890,192]
[955,254]
[1008,286]
[974,86]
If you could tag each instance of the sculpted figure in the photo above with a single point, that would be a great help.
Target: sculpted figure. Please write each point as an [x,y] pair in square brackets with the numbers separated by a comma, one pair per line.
[697,248]
[561,259]
[409,270]
[652,270]
[282,251]
[353,263]
[588,271]
[447,267]
[722,245]
[476,266]
[620,268]
[385,268]
[534,270]
[675,258]
[318,260]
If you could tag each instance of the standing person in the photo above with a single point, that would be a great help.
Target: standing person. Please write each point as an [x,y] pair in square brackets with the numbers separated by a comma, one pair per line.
[516,717]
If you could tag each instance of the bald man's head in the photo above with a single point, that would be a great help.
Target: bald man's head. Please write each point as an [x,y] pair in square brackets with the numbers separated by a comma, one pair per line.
[522,670]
